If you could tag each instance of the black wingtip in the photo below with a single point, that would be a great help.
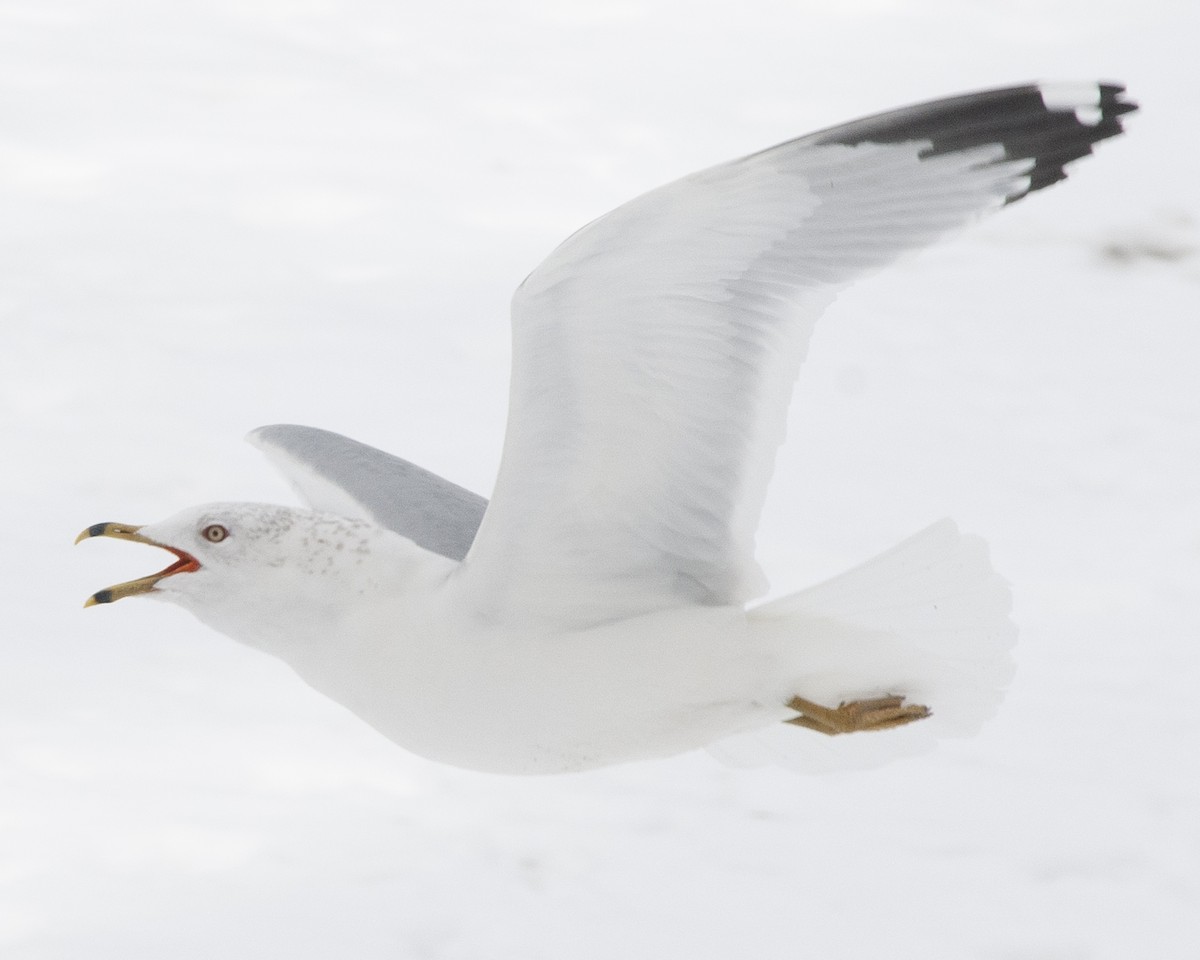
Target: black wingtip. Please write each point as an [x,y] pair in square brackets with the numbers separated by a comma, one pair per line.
[1050,124]
[1111,103]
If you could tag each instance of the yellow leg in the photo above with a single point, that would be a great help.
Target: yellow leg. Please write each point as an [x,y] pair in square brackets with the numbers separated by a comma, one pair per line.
[882,713]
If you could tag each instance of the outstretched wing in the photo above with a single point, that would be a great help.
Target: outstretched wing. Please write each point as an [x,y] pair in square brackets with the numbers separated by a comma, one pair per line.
[334,473]
[655,350]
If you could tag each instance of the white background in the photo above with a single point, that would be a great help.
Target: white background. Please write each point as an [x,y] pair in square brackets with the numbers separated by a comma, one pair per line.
[215,215]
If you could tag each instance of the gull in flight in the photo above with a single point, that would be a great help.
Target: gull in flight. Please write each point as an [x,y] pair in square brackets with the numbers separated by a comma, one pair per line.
[599,609]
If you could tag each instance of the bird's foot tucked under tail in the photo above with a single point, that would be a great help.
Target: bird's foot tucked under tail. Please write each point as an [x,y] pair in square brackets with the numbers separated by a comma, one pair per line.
[881,713]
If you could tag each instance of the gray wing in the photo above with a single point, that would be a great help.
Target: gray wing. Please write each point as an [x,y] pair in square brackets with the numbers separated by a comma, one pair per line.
[334,473]
[654,351]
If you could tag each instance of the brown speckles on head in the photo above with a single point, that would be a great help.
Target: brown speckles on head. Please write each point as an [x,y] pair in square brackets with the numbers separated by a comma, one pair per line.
[326,538]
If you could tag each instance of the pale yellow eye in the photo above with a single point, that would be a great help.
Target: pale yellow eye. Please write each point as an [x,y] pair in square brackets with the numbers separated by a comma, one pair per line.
[214,533]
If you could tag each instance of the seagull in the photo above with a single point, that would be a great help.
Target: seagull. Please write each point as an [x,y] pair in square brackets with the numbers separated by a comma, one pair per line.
[601,607]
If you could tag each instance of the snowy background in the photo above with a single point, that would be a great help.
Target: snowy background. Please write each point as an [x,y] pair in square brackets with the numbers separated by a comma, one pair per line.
[216,215]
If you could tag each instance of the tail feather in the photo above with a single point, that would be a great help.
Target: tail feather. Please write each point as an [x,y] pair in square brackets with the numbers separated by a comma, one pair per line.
[928,619]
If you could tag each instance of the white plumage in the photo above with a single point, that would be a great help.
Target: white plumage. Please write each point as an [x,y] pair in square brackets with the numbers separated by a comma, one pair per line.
[595,610]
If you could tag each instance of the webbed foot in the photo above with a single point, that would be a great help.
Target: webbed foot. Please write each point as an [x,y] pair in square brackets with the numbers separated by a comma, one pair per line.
[881,713]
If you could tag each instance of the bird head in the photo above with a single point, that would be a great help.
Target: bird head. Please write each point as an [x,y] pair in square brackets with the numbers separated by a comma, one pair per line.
[257,572]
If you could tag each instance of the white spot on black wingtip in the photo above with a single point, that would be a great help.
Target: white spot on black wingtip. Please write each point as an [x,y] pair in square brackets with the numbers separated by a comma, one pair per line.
[1049,124]
[1081,98]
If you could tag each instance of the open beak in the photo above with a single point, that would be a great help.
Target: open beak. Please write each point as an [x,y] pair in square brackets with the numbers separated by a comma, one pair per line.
[185,562]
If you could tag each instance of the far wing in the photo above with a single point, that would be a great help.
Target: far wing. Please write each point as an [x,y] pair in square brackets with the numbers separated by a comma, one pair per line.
[334,473]
[654,351]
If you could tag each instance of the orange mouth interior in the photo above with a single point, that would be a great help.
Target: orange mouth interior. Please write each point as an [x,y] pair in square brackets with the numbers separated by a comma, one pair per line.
[185,564]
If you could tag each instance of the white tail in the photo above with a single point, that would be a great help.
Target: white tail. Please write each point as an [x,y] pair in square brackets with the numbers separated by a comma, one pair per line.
[928,619]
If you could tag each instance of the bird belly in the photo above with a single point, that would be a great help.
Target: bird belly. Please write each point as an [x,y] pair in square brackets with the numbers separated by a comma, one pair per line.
[536,701]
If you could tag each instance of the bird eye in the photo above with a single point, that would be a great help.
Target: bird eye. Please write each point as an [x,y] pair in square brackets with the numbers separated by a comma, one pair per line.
[214,533]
